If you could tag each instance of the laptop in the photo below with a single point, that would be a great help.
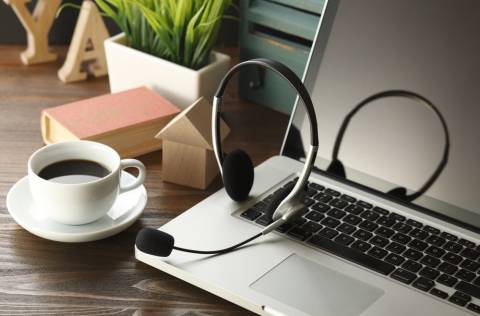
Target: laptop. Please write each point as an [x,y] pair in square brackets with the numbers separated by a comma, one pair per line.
[358,250]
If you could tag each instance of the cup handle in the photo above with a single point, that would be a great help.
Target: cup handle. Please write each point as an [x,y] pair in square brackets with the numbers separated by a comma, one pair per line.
[133,163]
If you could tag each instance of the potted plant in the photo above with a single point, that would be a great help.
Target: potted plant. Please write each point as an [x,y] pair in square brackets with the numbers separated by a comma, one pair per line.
[166,45]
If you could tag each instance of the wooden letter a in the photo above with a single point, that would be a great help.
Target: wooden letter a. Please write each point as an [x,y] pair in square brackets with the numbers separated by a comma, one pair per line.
[37,26]
[86,54]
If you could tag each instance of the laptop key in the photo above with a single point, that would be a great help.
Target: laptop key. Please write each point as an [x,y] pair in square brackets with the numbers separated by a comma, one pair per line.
[412,266]
[465,275]
[418,234]
[414,223]
[401,238]
[328,233]
[312,227]
[412,254]
[364,204]
[380,210]
[396,248]
[370,215]
[402,228]
[477,281]
[368,225]
[435,251]
[446,267]
[348,198]
[251,214]
[468,288]
[354,209]
[321,207]
[397,217]
[351,255]
[352,219]
[403,276]
[299,233]
[470,253]
[311,192]
[474,308]
[264,220]
[423,284]
[346,228]
[439,293]
[418,245]
[394,259]
[322,197]
[344,239]
[308,202]
[362,235]
[284,227]
[298,221]
[384,231]
[340,204]
[430,261]
[448,236]
[429,273]
[447,280]
[458,300]
[386,221]
[452,258]
[470,265]
[453,247]
[431,230]
[360,246]
[315,216]
[379,241]
[377,252]
[466,243]
[435,240]
[316,186]
[336,213]
[330,222]
[332,192]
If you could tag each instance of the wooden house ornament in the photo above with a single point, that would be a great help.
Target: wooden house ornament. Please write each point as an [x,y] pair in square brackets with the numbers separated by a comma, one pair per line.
[188,157]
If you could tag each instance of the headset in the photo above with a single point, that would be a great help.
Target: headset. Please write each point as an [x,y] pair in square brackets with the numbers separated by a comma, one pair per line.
[336,166]
[237,170]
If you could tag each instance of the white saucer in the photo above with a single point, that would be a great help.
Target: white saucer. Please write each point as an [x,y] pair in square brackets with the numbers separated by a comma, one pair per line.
[127,209]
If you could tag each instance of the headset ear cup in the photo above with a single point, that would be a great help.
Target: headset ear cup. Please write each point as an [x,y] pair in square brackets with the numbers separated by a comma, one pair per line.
[238,174]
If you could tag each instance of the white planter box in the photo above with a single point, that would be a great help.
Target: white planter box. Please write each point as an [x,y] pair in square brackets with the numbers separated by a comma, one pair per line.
[130,68]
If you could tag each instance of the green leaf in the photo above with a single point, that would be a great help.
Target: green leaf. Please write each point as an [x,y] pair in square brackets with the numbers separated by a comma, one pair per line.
[182,31]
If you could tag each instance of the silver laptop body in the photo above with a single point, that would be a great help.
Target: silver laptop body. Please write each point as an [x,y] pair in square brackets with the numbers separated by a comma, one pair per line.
[359,49]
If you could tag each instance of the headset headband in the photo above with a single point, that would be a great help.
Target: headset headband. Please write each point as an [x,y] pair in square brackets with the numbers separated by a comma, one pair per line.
[284,72]
[297,84]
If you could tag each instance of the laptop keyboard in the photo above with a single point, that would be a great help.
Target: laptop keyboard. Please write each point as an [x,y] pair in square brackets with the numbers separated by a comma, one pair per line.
[401,248]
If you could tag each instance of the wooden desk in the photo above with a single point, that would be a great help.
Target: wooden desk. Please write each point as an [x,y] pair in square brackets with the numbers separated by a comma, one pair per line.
[101,277]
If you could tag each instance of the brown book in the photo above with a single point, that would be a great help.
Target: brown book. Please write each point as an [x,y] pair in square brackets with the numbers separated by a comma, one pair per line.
[127,121]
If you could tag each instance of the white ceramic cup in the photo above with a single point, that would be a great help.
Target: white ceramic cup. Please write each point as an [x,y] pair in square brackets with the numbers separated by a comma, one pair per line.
[79,203]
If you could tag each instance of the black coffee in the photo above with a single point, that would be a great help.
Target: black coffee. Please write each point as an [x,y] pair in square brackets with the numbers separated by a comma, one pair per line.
[73,171]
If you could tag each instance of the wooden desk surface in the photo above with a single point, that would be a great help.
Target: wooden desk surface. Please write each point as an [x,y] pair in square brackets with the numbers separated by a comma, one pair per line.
[38,276]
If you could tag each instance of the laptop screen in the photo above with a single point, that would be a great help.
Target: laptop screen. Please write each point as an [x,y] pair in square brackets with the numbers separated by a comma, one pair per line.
[431,47]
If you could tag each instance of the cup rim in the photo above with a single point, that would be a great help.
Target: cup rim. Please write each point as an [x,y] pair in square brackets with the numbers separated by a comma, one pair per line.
[67,143]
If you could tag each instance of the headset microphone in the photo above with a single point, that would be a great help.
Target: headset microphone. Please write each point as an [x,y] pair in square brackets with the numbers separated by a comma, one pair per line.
[158,243]
[237,173]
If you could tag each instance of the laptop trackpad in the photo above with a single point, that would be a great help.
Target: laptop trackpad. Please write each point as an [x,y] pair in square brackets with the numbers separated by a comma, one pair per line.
[315,289]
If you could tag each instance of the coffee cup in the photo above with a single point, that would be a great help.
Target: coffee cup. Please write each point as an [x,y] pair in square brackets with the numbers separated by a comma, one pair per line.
[77,182]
